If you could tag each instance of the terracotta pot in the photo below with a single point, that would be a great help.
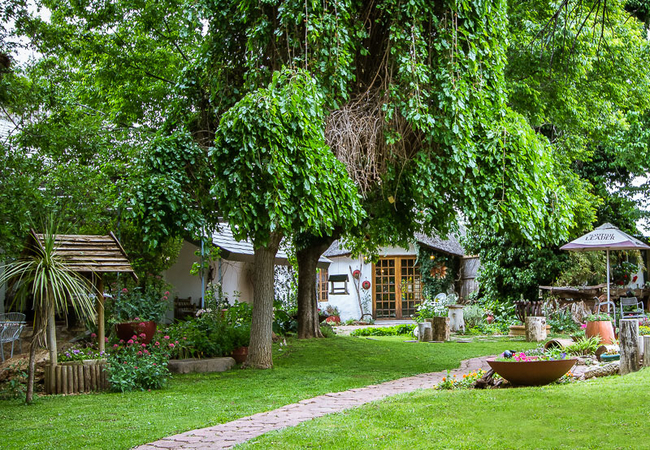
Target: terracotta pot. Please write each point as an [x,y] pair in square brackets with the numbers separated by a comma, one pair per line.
[240,354]
[126,330]
[333,319]
[532,373]
[603,328]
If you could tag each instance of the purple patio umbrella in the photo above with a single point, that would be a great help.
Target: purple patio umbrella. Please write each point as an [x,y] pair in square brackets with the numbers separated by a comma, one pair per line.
[606,237]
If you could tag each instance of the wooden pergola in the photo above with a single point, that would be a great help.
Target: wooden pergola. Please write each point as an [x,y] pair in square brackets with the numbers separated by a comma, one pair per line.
[93,256]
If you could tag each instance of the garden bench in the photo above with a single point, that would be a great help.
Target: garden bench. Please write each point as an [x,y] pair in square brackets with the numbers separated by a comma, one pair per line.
[11,325]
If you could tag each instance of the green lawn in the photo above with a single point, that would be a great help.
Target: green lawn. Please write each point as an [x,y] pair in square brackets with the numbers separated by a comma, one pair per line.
[607,413]
[305,369]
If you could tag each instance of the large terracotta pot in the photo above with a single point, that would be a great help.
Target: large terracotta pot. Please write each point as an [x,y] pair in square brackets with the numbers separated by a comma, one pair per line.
[126,330]
[532,373]
[604,329]
[240,354]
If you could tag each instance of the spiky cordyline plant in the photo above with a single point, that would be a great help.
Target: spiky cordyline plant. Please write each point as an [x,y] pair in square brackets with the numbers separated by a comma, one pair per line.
[53,286]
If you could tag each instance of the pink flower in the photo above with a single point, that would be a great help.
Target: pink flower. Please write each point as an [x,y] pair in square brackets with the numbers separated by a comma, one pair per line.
[137,319]
[171,345]
[143,335]
[165,298]
[141,324]
[124,290]
[146,352]
[135,367]
[134,337]
[139,353]
[155,364]
[105,339]
[184,338]
[166,292]
[93,335]
[144,345]
[115,346]
[166,337]
[121,341]
[157,343]
[176,342]
[583,326]
[130,341]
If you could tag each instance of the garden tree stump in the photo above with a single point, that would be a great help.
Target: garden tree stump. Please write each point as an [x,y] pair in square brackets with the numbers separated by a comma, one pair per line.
[628,341]
[456,320]
[535,329]
[424,332]
[646,351]
[440,328]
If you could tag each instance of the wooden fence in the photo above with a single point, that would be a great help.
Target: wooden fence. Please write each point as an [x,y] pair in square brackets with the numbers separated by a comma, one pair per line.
[73,378]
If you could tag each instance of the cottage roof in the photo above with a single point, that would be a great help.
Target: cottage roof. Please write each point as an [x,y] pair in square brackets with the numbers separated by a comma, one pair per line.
[243,251]
[450,245]
[88,253]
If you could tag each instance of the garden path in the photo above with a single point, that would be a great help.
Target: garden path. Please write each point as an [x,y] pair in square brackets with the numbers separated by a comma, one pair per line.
[229,434]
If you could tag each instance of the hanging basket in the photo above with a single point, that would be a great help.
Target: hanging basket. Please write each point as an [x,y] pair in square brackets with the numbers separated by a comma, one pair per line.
[365,285]
[356,274]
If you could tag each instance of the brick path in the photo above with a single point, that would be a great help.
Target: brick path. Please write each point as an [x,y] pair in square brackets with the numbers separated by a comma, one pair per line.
[241,430]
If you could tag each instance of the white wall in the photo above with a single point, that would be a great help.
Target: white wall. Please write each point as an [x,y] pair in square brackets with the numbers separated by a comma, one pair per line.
[236,276]
[348,304]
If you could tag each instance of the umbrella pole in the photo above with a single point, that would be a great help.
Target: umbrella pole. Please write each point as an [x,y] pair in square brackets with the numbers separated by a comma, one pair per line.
[608,294]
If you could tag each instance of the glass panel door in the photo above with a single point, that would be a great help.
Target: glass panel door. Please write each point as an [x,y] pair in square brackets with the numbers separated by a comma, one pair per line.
[385,290]
[409,286]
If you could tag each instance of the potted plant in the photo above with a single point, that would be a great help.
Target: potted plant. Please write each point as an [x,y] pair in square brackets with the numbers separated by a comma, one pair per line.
[241,334]
[334,315]
[600,325]
[137,310]
[532,368]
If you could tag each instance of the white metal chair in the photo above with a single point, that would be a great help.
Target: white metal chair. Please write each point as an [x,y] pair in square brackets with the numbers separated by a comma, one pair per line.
[631,308]
[10,333]
[610,307]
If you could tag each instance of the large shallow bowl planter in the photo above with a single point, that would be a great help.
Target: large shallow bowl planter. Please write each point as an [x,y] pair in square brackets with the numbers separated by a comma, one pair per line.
[532,373]
[126,331]
[602,328]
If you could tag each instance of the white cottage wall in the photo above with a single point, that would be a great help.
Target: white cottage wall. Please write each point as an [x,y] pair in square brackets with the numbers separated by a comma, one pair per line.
[235,275]
[348,304]
[178,275]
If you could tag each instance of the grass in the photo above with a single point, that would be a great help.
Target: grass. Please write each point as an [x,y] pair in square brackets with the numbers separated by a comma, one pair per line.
[602,413]
[302,370]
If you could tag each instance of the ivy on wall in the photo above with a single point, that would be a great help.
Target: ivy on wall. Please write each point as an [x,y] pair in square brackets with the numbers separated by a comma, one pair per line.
[430,268]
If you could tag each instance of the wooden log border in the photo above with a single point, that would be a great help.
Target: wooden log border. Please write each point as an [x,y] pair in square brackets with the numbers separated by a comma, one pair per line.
[77,378]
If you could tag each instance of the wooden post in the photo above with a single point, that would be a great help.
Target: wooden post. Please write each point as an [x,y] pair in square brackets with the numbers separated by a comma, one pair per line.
[101,333]
[646,351]
[629,344]
[440,328]
[535,329]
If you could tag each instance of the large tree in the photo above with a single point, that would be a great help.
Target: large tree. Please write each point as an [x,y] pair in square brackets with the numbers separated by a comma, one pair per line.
[414,93]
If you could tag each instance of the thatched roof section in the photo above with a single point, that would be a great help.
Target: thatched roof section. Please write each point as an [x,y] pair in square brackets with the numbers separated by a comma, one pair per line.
[89,253]
[450,246]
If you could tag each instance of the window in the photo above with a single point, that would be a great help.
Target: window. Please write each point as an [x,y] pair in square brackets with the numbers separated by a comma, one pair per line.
[338,284]
[321,285]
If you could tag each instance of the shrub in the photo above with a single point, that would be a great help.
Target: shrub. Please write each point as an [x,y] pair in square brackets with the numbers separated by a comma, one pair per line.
[561,321]
[397,330]
[584,346]
[327,330]
[133,365]
[474,315]
[452,382]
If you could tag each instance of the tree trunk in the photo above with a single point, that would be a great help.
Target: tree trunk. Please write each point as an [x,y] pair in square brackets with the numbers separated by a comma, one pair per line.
[32,368]
[308,323]
[260,354]
[629,346]
[51,339]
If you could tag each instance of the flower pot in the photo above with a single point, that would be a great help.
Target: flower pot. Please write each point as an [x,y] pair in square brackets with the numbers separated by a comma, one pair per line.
[603,328]
[126,331]
[532,373]
[333,319]
[240,354]
[609,358]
